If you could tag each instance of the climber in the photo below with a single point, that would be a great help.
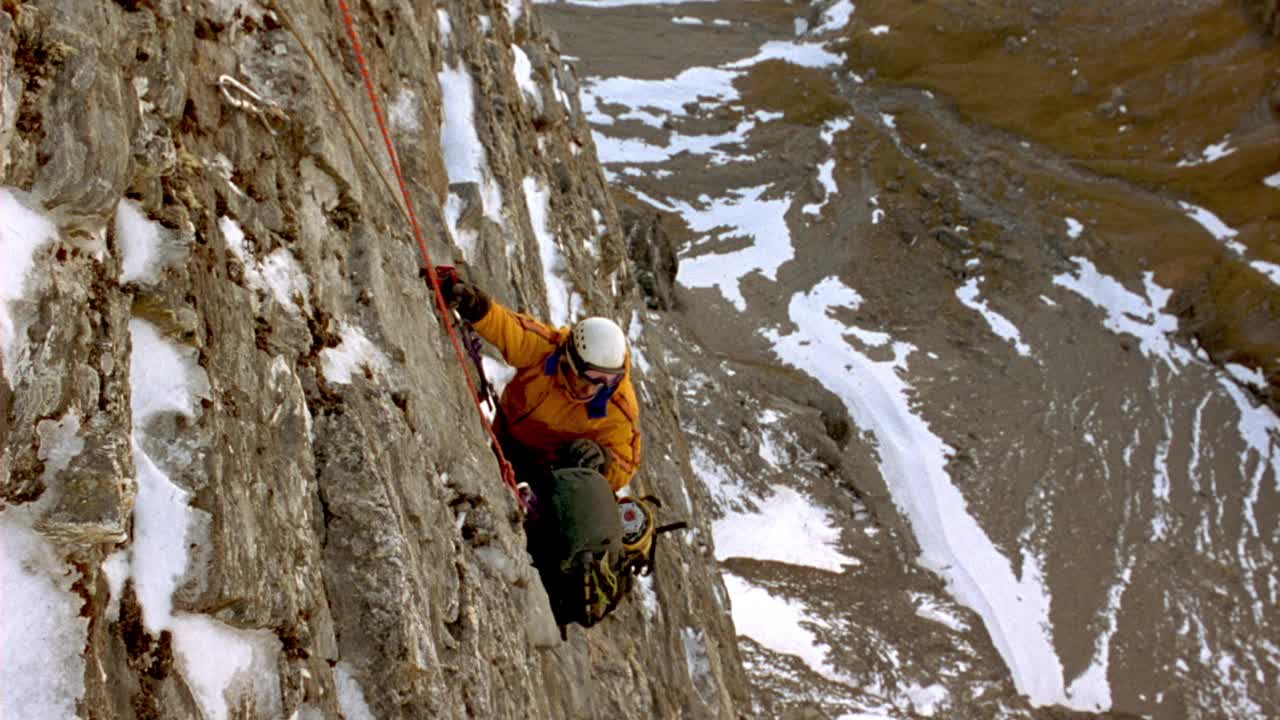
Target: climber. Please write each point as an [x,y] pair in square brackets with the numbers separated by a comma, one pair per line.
[569,424]
[571,403]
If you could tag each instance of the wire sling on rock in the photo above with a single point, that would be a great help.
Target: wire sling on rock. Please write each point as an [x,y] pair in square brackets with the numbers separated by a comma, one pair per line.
[508,473]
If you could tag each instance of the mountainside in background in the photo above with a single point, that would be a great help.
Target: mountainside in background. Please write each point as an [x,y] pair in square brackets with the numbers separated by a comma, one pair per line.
[240,472]
[954,326]
[983,309]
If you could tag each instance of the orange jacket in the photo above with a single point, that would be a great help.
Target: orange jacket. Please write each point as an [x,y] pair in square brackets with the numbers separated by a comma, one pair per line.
[537,411]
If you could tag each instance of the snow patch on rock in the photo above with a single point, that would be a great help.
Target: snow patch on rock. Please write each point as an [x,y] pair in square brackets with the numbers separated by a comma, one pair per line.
[23,231]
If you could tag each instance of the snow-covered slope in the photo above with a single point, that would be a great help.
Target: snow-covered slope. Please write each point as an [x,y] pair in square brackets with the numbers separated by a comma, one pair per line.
[965,373]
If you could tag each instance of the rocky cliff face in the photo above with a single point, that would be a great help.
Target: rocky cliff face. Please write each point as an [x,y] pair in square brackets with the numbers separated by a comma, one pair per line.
[1271,16]
[236,447]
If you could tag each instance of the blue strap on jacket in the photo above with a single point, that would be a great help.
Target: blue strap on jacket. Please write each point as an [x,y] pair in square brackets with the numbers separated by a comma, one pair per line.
[598,406]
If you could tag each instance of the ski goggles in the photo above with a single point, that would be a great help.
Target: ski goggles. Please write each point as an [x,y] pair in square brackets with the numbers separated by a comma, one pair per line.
[588,372]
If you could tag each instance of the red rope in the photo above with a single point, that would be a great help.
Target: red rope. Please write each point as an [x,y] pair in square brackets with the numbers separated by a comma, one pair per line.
[508,473]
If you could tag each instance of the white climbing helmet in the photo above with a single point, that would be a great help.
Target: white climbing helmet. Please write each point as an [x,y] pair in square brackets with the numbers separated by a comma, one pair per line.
[598,344]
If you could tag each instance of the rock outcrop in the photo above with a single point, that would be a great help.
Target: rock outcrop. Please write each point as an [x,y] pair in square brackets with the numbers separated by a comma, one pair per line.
[347,523]
[1271,16]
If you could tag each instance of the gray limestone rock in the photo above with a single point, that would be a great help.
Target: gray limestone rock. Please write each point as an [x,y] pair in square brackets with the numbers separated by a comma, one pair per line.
[341,511]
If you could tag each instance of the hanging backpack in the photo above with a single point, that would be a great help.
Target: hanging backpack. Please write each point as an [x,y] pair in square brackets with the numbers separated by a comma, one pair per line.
[588,545]
[575,538]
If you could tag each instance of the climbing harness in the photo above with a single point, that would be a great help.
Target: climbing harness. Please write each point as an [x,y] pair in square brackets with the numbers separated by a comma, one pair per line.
[446,315]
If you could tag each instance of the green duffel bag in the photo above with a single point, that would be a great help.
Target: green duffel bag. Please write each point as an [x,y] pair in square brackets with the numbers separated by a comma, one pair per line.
[575,538]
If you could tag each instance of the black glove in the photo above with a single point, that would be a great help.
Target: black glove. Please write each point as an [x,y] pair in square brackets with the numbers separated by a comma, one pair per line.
[470,301]
[584,453]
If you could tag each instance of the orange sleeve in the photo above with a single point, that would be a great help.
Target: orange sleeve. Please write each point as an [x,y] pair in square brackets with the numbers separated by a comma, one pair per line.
[623,442]
[521,339]
[624,461]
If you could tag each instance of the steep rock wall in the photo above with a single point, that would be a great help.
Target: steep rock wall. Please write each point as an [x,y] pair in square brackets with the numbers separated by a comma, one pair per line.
[1271,16]
[343,525]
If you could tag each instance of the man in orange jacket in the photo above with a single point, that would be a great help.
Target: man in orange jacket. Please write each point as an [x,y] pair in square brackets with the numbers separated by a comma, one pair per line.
[571,403]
